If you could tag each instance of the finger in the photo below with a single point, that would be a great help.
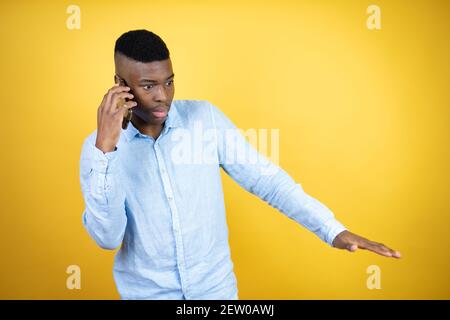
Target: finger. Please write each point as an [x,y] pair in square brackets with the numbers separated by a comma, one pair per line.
[352,247]
[378,248]
[125,107]
[118,99]
[393,253]
[102,105]
[115,89]
[122,95]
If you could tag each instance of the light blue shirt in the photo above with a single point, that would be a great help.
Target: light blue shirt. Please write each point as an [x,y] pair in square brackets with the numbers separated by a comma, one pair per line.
[162,201]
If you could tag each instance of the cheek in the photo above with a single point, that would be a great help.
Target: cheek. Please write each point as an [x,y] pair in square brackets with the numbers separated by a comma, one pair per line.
[142,99]
[142,96]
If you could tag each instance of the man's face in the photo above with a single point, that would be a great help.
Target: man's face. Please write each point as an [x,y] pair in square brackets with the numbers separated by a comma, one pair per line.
[152,85]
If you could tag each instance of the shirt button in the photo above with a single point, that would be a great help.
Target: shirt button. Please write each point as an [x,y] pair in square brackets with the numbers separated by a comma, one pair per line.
[170,198]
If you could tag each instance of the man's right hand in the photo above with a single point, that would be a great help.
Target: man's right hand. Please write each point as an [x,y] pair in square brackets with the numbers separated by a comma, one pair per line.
[110,117]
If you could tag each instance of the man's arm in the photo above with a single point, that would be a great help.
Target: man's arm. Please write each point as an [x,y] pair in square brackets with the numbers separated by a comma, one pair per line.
[104,216]
[272,184]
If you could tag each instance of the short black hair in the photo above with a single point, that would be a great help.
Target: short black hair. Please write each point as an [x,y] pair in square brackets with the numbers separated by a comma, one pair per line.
[142,46]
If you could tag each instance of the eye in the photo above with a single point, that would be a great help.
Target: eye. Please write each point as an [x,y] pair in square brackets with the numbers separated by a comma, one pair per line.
[148,87]
[169,83]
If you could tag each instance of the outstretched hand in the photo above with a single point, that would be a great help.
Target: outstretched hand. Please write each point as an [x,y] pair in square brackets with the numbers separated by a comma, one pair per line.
[351,242]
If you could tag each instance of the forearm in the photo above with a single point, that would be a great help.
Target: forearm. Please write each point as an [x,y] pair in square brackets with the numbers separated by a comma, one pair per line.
[270,182]
[104,216]
[284,194]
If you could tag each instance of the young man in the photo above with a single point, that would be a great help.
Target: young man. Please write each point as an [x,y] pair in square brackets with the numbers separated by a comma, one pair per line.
[155,187]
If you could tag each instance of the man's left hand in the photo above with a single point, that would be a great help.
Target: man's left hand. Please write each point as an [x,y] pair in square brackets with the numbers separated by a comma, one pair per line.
[351,242]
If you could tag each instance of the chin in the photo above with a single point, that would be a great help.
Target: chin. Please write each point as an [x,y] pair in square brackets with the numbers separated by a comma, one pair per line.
[157,120]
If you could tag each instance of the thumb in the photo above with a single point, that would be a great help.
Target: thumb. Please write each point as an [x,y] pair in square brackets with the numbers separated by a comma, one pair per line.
[351,247]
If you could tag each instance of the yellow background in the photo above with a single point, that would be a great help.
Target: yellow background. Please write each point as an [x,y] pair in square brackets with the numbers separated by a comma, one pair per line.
[364,126]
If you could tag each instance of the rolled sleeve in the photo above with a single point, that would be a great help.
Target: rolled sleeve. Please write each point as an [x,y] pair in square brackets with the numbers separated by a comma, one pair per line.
[105,162]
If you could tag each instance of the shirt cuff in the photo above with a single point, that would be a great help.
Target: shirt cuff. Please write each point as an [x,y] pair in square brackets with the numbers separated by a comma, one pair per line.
[332,229]
[104,162]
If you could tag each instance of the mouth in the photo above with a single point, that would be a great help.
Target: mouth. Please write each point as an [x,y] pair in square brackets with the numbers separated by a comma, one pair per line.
[159,112]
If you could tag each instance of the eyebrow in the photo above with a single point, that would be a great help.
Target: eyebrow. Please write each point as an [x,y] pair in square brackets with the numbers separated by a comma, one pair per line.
[149,80]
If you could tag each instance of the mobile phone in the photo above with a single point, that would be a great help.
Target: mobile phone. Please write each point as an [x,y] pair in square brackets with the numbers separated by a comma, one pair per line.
[129,113]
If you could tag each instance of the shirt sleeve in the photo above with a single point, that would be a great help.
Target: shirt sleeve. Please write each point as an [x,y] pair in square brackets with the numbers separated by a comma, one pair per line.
[104,216]
[255,173]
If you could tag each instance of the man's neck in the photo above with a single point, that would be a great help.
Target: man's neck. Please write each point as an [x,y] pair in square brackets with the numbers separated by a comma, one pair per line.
[152,130]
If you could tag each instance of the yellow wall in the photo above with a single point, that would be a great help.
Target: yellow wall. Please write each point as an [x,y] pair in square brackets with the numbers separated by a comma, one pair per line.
[364,126]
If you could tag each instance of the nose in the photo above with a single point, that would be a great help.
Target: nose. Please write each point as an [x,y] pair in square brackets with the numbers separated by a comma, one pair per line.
[161,94]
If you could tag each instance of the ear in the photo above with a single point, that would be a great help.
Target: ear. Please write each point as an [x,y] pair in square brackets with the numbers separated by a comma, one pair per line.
[119,80]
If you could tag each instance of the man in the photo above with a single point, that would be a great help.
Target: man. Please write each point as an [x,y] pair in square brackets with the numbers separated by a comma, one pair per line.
[149,190]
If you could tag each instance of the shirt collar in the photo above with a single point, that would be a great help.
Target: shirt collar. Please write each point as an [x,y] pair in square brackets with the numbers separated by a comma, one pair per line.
[173,120]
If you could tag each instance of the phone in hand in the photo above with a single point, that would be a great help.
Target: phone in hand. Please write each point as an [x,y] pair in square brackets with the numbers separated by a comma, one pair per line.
[129,113]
